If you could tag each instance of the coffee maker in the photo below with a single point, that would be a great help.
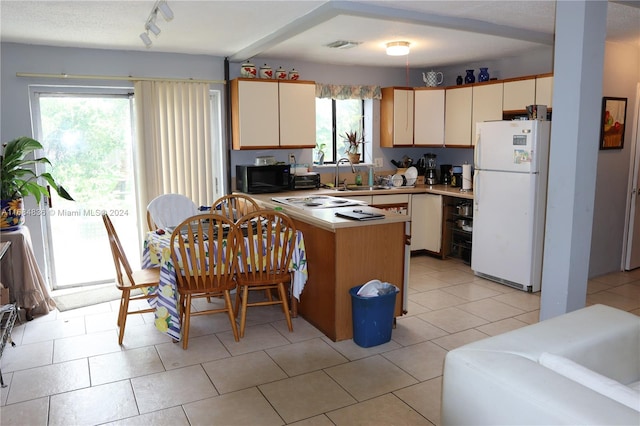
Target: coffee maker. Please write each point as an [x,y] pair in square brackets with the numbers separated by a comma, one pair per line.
[445,174]
[430,174]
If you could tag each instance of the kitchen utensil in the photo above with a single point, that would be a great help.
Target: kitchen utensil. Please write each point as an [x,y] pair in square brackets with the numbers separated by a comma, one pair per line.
[432,78]
[396,163]
[465,209]
[411,174]
[397,180]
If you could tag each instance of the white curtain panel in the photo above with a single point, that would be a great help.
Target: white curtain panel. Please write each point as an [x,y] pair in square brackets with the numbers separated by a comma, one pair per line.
[174,140]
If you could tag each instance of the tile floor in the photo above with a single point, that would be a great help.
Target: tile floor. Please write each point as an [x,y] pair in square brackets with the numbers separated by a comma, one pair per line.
[67,367]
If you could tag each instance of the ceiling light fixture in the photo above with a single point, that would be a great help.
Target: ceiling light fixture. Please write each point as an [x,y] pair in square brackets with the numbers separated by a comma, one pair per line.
[162,7]
[398,48]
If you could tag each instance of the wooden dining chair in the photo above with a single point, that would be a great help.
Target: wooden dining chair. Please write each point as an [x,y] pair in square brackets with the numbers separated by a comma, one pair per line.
[203,252]
[264,259]
[234,206]
[128,280]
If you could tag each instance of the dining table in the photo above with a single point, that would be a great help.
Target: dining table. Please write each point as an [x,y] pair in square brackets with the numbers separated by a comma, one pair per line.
[157,252]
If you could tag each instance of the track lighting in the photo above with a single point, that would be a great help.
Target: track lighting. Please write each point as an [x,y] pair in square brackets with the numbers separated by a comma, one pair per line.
[162,7]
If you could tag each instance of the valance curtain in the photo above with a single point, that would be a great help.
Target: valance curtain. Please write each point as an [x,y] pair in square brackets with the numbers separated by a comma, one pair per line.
[174,140]
[338,91]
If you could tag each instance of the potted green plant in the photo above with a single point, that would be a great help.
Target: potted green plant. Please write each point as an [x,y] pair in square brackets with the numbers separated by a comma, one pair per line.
[18,179]
[353,140]
[320,154]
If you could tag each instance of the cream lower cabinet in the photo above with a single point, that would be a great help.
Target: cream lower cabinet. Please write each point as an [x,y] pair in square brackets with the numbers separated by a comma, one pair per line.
[426,222]
[272,114]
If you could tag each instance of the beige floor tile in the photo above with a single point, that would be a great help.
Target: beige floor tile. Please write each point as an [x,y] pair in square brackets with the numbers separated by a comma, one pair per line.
[49,380]
[50,330]
[471,291]
[124,365]
[256,338]
[500,288]
[491,309]
[529,317]
[424,398]
[612,299]
[201,349]
[4,392]
[85,345]
[245,407]
[302,330]
[32,413]
[370,377]
[453,320]
[305,396]
[426,283]
[412,330]
[629,291]
[521,300]
[94,405]
[174,416]
[21,357]
[107,321]
[436,299]
[243,371]
[414,308]
[383,410]
[423,361]
[169,389]
[501,326]
[596,286]
[352,351]
[206,325]
[616,278]
[433,263]
[454,276]
[456,340]
[321,420]
[305,357]
[143,335]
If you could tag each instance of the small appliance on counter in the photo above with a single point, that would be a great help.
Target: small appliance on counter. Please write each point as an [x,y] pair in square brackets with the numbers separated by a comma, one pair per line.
[456,176]
[308,180]
[252,179]
[445,174]
[430,175]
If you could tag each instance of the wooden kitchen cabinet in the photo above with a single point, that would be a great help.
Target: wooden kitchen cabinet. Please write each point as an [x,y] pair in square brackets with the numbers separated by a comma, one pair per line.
[518,93]
[457,116]
[544,90]
[272,114]
[396,117]
[428,116]
[487,105]
[426,222]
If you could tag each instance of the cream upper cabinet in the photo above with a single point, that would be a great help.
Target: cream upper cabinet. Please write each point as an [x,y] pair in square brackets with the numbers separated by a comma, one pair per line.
[457,116]
[518,94]
[428,117]
[487,105]
[396,117]
[544,91]
[297,114]
[272,114]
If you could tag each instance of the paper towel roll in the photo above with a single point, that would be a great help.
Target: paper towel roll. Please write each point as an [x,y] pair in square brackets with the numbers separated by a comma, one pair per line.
[466,176]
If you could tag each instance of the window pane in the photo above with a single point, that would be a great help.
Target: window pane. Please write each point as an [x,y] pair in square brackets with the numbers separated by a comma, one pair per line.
[348,119]
[324,129]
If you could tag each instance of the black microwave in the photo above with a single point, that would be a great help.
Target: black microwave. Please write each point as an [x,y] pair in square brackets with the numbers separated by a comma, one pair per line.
[253,179]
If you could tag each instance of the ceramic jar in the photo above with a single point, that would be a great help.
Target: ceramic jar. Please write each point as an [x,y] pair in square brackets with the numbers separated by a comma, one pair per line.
[266,71]
[483,75]
[432,78]
[293,74]
[281,74]
[248,70]
[470,78]
[459,80]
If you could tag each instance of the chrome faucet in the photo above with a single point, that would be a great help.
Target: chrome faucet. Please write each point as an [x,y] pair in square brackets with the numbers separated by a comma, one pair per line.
[340,161]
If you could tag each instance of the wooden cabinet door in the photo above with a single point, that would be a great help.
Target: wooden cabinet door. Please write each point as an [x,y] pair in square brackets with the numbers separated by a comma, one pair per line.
[428,117]
[396,117]
[457,116]
[297,100]
[544,91]
[487,105]
[254,114]
[518,94]
[426,222]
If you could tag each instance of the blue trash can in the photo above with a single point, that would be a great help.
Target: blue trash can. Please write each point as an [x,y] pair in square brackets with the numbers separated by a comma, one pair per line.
[372,318]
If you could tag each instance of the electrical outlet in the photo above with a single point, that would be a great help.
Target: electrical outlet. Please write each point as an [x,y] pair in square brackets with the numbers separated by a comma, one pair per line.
[377,162]
[292,159]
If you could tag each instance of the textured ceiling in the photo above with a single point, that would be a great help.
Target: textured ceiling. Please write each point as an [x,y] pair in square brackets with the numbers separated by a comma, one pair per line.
[440,32]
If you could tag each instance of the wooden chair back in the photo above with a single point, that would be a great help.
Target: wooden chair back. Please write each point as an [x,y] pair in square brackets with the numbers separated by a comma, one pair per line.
[234,206]
[124,272]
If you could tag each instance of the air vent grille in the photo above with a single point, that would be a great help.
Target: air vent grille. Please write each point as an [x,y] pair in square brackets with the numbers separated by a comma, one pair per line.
[343,44]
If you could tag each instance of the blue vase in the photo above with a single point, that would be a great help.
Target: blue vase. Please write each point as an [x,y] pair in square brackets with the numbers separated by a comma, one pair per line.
[483,75]
[470,78]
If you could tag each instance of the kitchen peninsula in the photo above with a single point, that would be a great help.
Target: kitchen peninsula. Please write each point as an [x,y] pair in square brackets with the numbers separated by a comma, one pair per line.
[341,254]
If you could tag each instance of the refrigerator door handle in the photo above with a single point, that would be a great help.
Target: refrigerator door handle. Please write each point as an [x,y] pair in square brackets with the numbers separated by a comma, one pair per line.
[476,152]
[476,188]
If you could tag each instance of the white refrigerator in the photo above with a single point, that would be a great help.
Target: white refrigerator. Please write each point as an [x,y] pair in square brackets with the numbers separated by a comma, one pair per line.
[510,193]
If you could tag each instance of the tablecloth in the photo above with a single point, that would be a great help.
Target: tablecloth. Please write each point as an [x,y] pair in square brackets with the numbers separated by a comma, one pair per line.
[156,252]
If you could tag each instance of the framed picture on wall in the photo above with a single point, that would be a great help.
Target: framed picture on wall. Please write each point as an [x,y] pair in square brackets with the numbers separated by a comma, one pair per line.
[612,125]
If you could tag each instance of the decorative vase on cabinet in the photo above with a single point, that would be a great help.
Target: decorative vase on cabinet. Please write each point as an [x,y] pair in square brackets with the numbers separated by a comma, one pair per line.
[483,75]
[470,78]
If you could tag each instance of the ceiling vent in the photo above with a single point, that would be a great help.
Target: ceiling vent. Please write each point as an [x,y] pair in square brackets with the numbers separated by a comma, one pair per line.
[343,44]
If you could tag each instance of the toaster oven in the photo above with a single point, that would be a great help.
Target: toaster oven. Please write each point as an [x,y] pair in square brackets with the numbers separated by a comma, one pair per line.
[305,181]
